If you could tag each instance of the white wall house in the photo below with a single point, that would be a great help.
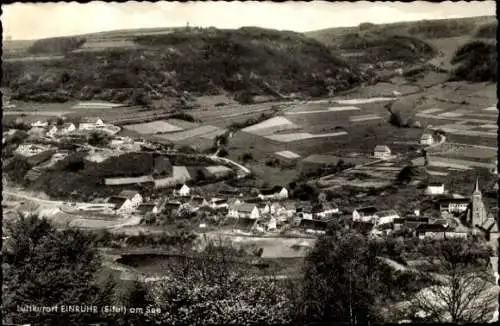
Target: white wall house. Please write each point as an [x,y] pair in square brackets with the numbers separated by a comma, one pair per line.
[67,128]
[182,191]
[244,210]
[426,139]
[386,217]
[39,124]
[218,203]
[382,152]
[134,197]
[434,189]
[91,124]
[366,214]
[277,194]
[52,131]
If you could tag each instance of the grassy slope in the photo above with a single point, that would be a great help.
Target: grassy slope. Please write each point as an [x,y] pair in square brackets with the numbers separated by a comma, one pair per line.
[204,61]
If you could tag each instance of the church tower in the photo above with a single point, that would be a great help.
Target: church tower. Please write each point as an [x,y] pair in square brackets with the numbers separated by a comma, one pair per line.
[479,214]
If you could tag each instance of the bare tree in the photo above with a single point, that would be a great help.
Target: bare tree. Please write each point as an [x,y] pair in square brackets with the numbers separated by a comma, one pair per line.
[464,286]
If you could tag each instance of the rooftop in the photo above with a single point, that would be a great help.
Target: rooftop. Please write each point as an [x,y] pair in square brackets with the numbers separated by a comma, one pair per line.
[117,201]
[366,210]
[246,207]
[128,194]
[382,148]
[390,212]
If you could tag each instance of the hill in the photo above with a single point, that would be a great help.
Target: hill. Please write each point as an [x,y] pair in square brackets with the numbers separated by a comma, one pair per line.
[405,41]
[201,61]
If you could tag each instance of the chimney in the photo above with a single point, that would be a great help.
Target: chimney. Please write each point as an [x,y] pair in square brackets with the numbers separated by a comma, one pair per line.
[417,212]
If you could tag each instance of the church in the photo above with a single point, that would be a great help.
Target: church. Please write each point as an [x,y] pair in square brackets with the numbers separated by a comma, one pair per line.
[478,217]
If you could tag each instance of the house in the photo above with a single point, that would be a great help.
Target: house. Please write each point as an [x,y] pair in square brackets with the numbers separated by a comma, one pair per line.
[274,193]
[120,203]
[326,210]
[426,139]
[172,206]
[277,209]
[91,124]
[434,188]
[151,208]
[199,201]
[132,195]
[264,208]
[434,231]
[382,152]
[454,205]
[52,131]
[386,217]
[181,190]
[364,214]
[271,225]
[289,209]
[305,212]
[39,124]
[218,203]
[313,226]
[67,128]
[244,210]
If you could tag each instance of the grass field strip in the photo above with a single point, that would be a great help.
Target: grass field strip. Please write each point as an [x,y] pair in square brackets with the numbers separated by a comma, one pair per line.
[452,162]
[153,127]
[467,132]
[452,118]
[286,138]
[364,101]
[429,111]
[332,109]
[358,118]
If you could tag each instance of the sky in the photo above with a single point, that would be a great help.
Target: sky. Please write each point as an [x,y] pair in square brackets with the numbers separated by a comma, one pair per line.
[40,20]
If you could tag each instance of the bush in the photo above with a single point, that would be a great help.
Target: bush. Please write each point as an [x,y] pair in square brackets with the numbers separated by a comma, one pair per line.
[183,116]
[58,45]
[99,138]
[475,61]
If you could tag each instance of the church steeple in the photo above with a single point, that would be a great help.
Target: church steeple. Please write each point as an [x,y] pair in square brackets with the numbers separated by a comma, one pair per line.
[477,192]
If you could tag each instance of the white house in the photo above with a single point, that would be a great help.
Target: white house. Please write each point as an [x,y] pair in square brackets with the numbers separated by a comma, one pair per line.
[39,124]
[327,210]
[91,124]
[132,195]
[264,208]
[278,193]
[182,190]
[244,210]
[382,152]
[454,205]
[277,209]
[218,203]
[271,225]
[434,189]
[67,128]
[364,214]
[426,139]
[386,217]
[121,204]
[52,131]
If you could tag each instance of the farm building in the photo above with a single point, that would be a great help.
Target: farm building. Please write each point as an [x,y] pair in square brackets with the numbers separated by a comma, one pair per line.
[172,206]
[264,208]
[28,150]
[120,203]
[433,231]
[39,124]
[52,131]
[287,157]
[132,195]
[434,189]
[67,128]
[364,214]
[199,201]
[218,203]
[386,217]
[181,190]
[148,208]
[382,152]
[454,205]
[245,210]
[426,139]
[274,193]
[313,226]
[325,210]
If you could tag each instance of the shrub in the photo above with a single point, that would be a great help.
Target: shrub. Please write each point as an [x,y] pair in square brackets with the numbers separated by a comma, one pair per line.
[475,61]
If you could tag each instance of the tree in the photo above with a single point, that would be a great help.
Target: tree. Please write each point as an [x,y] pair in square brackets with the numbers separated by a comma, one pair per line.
[216,287]
[43,266]
[99,138]
[341,280]
[463,292]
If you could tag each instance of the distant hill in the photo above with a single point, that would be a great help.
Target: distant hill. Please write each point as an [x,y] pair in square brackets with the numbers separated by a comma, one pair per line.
[118,65]
[405,41]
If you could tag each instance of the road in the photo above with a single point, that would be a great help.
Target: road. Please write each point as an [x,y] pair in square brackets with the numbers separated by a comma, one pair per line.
[31,198]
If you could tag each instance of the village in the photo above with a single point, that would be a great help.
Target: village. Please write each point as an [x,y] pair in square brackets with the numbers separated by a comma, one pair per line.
[250,211]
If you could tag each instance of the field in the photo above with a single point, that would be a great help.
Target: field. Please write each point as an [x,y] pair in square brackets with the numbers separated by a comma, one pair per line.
[155,127]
